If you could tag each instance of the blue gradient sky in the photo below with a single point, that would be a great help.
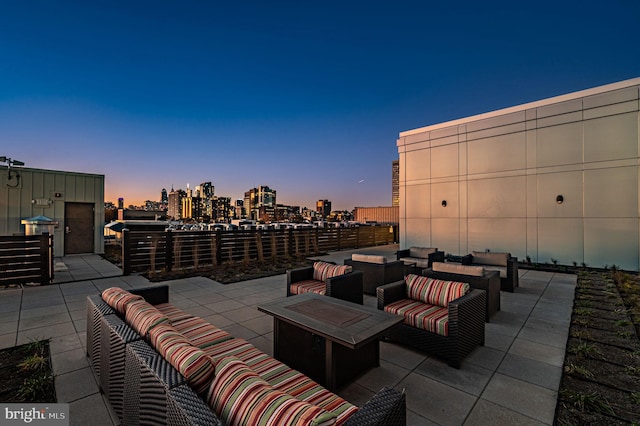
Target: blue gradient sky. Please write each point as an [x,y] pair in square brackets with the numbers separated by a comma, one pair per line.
[305,97]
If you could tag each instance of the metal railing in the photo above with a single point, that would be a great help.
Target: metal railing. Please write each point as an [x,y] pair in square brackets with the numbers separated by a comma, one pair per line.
[152,251]
[26,259]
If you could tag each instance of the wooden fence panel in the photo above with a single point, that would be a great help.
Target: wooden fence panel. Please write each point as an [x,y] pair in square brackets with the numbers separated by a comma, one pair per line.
[26,259]
[144,251]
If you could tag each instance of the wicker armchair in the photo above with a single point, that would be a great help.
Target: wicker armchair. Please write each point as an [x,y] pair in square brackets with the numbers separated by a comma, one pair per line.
[346,286]
[466,325]
[376,270]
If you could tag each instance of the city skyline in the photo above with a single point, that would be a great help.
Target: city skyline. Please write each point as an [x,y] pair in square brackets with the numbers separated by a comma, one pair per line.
[305,98]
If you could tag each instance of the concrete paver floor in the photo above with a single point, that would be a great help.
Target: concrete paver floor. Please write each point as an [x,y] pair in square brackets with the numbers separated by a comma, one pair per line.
[513,379]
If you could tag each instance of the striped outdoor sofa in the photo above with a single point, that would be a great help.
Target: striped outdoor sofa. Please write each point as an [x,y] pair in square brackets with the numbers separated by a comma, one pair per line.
[445,318]
[339,281]
[160,365]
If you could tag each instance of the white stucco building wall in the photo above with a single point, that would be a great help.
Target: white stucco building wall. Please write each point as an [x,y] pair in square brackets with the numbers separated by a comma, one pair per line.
[501,173]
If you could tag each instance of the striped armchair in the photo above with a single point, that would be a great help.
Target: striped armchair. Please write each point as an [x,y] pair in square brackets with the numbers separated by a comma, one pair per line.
[445,318]
[325,278]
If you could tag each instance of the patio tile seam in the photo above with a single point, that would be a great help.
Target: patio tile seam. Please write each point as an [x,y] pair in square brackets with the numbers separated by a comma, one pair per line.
[494,372]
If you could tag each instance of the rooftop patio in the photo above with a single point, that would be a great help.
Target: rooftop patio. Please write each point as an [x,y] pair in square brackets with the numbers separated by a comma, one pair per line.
[514,378]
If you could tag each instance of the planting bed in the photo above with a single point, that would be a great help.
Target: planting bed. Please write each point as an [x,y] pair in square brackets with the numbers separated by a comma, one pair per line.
[601,378]
[231,272]
[26,374]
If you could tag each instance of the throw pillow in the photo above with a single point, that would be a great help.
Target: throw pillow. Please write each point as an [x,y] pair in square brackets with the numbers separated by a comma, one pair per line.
[118,298]
[143,316]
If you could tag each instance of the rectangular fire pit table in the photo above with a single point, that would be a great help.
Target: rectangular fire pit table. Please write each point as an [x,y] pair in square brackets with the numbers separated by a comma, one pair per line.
[330,340]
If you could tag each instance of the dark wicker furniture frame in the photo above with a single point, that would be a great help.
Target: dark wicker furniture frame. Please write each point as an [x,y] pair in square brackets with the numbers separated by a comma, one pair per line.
[377,274]
[346,287]
[437,256]
[144,388]
[466,325]
[489,282]
[508,283]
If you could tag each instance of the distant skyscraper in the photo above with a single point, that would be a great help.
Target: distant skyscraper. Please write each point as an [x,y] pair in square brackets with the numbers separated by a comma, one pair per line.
[121,203]
[239,207]
[255,198]
[164,198]
[174,207]
[395,183]
[323,207]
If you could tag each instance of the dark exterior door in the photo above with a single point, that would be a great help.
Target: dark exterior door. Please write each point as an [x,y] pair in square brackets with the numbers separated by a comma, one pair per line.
[78,228]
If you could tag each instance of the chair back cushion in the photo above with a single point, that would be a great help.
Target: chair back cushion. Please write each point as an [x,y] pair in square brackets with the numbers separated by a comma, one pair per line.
[422,252]
[239,396]
[456,268]
[118,298]
[369,258]
[497,259]
[434,292]
[323,270]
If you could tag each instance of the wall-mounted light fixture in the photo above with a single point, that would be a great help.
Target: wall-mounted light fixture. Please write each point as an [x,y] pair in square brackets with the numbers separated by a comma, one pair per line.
[444,203]
[559,199]
[12,174]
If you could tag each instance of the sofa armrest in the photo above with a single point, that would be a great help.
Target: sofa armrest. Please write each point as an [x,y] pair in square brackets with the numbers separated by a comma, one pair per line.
[347,287]
[402,253]
[390,293]
[394,271]
[512,271]
[467,260]
[387,407]
[299,274]
[466,317]
[154,295]
[437,256]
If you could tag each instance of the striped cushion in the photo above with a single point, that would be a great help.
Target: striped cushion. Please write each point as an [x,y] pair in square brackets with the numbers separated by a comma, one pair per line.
[283,377]
[240,397]
[303,388]
[172,312]
[201,333]
[324,270]
[233,347]
[191,362]
[432,318]
[163,336]
[308,286]
[434,292]
[118,298]
[142,316]
[196,366]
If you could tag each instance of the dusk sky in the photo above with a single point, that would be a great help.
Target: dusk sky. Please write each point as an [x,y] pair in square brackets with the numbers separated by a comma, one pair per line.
[305,97]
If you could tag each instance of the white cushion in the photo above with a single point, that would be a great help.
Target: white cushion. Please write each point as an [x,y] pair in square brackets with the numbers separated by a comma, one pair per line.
[456,268]
[369,258]
[422,252]
[501,269]
[497,259]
